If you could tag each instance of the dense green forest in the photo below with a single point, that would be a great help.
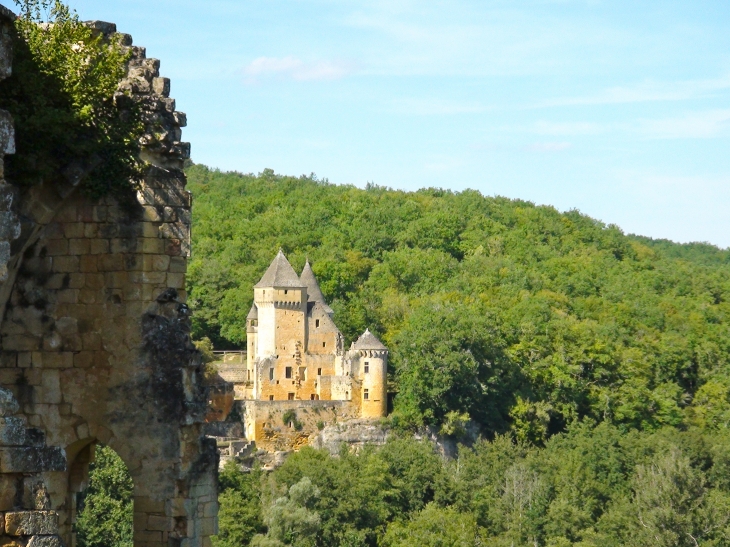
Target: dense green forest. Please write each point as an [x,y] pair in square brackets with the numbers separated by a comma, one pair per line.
[521,317]
[588,487]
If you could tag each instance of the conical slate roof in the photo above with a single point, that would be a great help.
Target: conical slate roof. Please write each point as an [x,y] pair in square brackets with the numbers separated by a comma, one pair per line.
[280,274]
[253,312]
[368,341]
[314,293]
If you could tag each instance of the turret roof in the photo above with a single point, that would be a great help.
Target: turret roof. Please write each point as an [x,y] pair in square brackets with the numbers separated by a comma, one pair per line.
[314,293]
[280,274]
[368,341]
[253,312]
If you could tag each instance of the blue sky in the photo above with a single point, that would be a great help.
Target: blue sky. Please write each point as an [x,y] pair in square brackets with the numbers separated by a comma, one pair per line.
[618,109]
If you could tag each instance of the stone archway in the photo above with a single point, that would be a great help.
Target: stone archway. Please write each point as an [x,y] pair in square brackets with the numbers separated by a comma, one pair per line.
[94,331]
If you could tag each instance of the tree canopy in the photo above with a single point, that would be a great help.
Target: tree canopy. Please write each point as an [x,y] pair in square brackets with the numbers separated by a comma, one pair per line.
[525,318]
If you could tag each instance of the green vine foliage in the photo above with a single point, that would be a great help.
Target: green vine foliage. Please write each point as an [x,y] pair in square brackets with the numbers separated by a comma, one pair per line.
[61,96]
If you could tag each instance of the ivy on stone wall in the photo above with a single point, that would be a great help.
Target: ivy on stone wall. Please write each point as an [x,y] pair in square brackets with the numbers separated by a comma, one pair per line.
[69,124]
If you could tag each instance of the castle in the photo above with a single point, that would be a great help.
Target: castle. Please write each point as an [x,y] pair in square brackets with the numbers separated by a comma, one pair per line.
[295,357]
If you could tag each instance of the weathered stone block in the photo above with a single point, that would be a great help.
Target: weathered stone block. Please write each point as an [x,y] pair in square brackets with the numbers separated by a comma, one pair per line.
[84,359]
[8,489]
[66,263]
[32,460]
[21,343]
[69,296]
[91,230]
[161,86]
[30,523]
[143,504]
[73,230]
[151,214]
[181,118]
[51,387]
[99,246]
[111,263]
[45,541]
[8,403]
[159,523]
[25,360]
[12,431]
[78,246]
[178,264]
[151,245]
[58,360]
[57,247]
[176,281]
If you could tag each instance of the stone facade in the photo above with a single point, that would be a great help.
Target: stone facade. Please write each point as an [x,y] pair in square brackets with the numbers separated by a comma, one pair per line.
[94,337]
[296,356]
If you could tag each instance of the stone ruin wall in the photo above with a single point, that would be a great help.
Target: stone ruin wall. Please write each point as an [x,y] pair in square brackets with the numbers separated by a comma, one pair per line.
[95,345]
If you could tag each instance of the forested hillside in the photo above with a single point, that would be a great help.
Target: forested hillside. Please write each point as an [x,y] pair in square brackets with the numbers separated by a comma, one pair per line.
[521,316]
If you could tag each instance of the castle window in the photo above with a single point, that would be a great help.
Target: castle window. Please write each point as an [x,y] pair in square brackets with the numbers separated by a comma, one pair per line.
[290,396]
[286,292]
[271,374]
[303,374]
[311,397]
[271,397]
[366,395]
[324,344]
[316,323]
[366,369]
[288,372]
[319,372]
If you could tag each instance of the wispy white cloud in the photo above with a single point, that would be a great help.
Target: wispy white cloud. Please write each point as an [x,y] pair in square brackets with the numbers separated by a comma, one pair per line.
[569,128]
[291,67]
[435,107]
[647,91]
[548,147]
[695,125]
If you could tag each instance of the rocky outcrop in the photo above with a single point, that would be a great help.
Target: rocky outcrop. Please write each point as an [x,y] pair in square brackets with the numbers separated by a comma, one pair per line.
[354,433]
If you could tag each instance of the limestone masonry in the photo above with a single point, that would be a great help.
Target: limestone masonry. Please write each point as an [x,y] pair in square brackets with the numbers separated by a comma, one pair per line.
[94,337]
[296,363]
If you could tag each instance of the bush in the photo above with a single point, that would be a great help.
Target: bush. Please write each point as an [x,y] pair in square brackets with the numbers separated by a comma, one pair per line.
[290,419]
[61,96]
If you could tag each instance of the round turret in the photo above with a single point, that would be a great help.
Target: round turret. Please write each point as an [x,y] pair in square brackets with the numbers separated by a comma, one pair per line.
[373,373]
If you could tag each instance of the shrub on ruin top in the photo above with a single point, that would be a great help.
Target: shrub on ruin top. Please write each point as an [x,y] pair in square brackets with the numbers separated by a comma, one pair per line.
[68,125]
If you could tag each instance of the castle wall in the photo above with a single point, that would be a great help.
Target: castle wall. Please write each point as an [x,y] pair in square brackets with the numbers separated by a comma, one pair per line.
[95,335]
[323,333]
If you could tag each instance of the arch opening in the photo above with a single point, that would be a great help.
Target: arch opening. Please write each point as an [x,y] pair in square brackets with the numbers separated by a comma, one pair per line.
[103,503]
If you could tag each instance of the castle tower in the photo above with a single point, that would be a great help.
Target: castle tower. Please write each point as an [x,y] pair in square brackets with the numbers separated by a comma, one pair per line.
[281,303]
[314,293]
[373,373]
